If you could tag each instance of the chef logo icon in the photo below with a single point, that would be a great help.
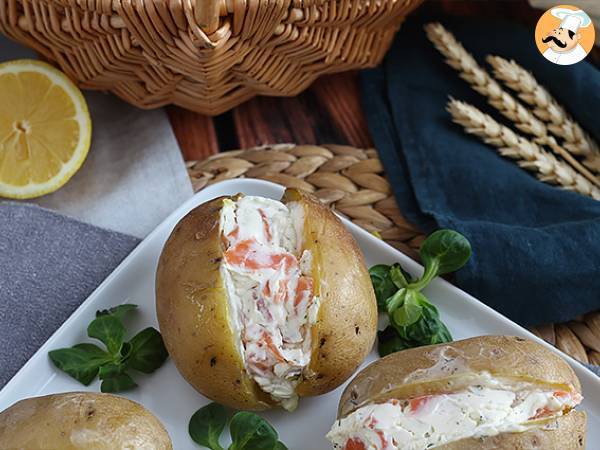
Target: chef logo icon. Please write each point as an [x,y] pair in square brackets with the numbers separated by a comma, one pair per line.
[564,35]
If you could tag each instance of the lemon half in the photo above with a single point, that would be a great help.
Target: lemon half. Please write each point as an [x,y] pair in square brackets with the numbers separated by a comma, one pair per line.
[45,129]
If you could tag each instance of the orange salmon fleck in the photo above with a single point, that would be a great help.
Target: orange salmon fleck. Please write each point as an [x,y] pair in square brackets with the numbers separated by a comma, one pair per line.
[266,227]
[272,348]
[371,424]
[237,254]
[283,258]
[281,294]
[235,233]
[382,439]
[354,444]
[305,285]
[246,254]
[542,412]
[267,289]
[261,365]
[418,402]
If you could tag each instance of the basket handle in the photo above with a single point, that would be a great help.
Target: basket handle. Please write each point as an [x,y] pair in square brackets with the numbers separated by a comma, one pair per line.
[207,14]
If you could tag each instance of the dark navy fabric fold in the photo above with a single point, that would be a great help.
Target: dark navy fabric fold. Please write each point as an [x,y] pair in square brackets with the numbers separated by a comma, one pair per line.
[536,248]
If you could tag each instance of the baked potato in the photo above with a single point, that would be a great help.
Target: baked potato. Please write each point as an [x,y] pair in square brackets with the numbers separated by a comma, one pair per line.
[261,302]
[488,392]
[81,421]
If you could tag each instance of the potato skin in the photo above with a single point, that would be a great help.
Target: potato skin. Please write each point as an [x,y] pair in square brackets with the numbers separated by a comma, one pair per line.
[346,324]
[193,312]
[443,368]
[562,433]
[81,421]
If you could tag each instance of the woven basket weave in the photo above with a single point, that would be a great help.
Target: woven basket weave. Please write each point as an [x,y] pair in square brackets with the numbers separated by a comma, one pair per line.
[204,55]
[352,181]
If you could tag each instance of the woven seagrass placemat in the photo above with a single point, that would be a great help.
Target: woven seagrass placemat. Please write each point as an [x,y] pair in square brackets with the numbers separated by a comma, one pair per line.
[352,181]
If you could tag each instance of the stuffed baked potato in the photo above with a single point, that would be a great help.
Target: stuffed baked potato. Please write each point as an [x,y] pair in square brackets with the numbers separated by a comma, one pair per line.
[261,302]
[488,392]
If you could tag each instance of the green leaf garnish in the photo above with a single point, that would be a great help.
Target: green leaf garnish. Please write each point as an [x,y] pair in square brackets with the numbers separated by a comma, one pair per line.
[248,431]
[109,330]
[409,312]
[145,352]
[148,351]
[119,311]
[395,301]
[428,330]
[450,248]
[414,321]
[111,370]
[400,278]
[442,252]
[82,361]
[207,425]
[382,282]
[388,341]
[121,382]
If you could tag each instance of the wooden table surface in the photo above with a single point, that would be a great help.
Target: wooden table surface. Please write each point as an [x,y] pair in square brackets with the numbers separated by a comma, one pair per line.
[328,112]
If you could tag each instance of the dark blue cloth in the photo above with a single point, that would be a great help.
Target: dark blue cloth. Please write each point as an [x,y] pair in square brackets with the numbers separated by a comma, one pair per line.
[536,248]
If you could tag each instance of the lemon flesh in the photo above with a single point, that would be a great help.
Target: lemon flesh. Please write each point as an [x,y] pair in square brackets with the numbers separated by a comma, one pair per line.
[45,129]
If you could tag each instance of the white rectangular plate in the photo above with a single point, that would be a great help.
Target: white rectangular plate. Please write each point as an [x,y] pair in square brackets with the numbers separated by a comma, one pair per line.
[166,393]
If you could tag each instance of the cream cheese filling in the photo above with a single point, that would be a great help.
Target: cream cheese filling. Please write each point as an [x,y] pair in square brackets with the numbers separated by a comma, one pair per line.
[269,289]
[431,421]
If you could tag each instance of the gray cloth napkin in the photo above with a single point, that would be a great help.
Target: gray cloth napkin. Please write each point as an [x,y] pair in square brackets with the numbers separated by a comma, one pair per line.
[49,264]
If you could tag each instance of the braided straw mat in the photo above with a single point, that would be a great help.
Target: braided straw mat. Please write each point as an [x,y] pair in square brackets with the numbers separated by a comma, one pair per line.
[352,181]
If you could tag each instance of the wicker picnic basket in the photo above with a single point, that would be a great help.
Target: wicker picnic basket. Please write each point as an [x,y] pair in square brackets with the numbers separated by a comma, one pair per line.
[352,181]
[204,55]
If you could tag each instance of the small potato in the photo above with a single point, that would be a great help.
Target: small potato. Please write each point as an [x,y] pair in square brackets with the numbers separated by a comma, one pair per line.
[81,421]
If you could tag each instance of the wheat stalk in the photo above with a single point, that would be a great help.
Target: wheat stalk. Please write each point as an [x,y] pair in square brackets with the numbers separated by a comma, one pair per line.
[547,109]
[528,154]
[479,79]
